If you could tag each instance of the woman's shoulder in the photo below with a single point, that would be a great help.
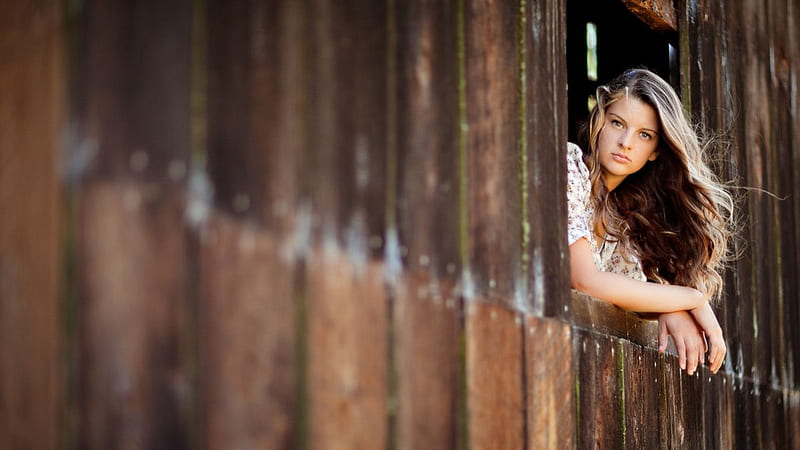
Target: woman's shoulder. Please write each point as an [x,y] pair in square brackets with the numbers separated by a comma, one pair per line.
[575,157]
[573,148]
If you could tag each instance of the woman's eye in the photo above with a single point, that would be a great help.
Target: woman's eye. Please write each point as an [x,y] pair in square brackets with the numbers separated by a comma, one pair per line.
[645,136]
[616,123]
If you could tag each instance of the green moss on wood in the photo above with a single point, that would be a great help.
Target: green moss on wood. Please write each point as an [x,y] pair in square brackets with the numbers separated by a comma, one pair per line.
[463,128]
[391,115]
[523,148]
[620,360]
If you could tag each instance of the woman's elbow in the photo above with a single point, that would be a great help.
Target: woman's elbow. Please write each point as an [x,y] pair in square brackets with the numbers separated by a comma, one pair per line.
[582,282]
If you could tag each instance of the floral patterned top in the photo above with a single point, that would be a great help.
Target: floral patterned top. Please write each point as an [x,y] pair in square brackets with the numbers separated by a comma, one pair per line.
[606,255]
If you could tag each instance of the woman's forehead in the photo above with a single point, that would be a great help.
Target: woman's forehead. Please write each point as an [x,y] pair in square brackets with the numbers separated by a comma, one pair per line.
[634,112]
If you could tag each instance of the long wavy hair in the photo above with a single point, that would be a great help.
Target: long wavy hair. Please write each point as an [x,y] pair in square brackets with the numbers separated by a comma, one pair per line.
[673,214]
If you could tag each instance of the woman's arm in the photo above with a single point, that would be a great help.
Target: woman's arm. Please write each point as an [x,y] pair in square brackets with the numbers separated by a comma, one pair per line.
[641,296]
[625,292]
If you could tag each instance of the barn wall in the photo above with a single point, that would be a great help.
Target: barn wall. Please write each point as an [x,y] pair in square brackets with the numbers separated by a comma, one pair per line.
[320,224]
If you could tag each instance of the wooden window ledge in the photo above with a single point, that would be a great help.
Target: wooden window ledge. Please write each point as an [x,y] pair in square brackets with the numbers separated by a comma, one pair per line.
[603,317]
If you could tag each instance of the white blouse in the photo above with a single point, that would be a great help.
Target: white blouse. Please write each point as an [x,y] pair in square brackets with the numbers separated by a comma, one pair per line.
[606,256]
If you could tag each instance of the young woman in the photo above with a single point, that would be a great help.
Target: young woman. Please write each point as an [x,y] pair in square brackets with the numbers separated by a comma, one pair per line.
[643,205]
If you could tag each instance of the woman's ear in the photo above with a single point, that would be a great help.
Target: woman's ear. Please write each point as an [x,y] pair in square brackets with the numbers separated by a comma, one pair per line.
[653,156]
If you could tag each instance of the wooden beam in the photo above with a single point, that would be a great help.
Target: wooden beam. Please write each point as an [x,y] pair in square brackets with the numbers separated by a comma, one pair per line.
[32,103]
[657,14]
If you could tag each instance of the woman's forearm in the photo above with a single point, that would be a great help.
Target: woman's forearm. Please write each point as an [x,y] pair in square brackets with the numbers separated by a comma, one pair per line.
[639,296]
[625,292]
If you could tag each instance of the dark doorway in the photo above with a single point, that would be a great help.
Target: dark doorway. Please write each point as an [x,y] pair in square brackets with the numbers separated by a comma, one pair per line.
[621,41]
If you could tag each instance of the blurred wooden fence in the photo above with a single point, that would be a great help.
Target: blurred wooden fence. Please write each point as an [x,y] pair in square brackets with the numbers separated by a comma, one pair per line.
[321,224]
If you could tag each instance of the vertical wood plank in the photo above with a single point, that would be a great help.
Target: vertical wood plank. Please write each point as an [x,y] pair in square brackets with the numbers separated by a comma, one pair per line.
[545,136]
[600,414]
[426,315]
[427,329]
[256,83]
[747,426]
[347,353]
[345,183]
[135,379]
[32,104]
[493,177]
[739,295]
[772,418]
[136,351]
[683,417]
[345,177]
[792,402]
[784,226]
[495,398]
[427,123]
[550,376]
[249,309]
[718,409]
[643,385]
[759,174]
[792,314]
[249,366]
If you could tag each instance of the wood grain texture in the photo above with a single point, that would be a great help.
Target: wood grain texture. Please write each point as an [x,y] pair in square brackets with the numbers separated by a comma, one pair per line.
[741,291]
[550,377]
[133,86]
[658,14]
[684,407]
[424,211]
[545,86]
[427,329]
[257,84]
[427,202]
[600,414]
[603,317]
[773,418]
[495,395]
[793,160]
[747,426]
[643,390]
[347,348]
[493,179]
[135,381]
[345,166]
[718,409]
[32,107]
[136,351]
[249,338]
[784,226]
[792,404]
[249,293]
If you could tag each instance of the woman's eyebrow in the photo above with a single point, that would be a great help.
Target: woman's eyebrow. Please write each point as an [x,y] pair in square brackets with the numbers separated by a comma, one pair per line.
[623,120]
[617,116]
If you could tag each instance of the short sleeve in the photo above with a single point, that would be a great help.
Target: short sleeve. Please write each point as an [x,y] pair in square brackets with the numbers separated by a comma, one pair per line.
[578,195]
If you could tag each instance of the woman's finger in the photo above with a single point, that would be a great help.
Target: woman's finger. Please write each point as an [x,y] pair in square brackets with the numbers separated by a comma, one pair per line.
[680,345]
[718,354]
[663,336]
[691,357]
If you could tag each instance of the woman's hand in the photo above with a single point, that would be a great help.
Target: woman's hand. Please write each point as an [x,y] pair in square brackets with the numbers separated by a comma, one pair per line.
[687,336]
[705,317]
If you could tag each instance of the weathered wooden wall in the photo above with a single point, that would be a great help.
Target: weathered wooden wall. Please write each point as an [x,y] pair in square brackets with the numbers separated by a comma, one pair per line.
[32,98]
[322,224]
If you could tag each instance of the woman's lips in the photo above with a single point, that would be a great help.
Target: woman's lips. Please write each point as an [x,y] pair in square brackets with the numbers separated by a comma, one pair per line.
[619,157]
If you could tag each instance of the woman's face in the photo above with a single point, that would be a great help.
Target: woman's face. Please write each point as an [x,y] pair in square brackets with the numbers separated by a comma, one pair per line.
[628,139]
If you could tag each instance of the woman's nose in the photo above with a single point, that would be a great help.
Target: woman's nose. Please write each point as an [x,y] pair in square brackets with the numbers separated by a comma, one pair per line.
[625,140]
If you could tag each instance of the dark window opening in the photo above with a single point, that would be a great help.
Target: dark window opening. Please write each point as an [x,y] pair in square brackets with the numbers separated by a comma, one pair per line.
[604,39]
